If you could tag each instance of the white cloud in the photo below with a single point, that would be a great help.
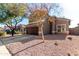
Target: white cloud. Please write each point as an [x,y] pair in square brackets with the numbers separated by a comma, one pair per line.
[71,10]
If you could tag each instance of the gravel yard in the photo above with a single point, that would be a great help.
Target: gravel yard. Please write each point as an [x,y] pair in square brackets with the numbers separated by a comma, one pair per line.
[55,45]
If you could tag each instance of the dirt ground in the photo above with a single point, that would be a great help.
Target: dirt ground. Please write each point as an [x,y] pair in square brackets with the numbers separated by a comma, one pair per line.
[54,45]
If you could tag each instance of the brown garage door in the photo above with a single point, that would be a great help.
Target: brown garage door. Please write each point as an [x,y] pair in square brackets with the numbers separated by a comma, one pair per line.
[32,30]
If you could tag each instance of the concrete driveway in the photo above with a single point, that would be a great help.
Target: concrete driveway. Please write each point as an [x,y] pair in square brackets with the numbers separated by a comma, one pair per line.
[3,50]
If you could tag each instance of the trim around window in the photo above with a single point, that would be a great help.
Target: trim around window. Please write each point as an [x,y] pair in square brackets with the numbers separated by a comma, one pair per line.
[61,28]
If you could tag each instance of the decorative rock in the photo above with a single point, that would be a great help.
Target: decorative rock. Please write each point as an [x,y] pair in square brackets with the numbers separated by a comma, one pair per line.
[56,43]
[70,38]
[68,54]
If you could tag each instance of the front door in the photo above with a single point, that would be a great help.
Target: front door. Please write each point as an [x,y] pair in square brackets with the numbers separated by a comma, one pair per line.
[50,29]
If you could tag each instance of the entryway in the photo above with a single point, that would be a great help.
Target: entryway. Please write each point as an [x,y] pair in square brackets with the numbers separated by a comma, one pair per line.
[50,27]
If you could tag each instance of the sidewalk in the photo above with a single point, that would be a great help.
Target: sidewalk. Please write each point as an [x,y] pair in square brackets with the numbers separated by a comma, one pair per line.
[3,50]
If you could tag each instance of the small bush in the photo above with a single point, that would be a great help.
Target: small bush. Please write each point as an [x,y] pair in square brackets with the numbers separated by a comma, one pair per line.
[8,31]
[2,33]
[17,32]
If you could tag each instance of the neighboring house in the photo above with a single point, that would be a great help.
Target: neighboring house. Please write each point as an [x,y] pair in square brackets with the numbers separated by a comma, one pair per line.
[6,28]
[51,25]
[19,27]
[74,31]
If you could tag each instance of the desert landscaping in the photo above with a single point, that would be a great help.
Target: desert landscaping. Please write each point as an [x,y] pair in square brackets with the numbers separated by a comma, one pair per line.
[54,45]
[37,29]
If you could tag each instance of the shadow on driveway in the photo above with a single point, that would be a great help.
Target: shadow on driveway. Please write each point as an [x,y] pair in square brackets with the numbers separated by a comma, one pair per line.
[27,38]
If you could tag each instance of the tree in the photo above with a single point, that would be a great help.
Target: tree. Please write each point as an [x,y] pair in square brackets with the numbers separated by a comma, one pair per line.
[38,15]
[52,9]
[11,15]
[41,11]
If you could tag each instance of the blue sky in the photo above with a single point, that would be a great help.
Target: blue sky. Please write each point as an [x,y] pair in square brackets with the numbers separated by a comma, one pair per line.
[24,22]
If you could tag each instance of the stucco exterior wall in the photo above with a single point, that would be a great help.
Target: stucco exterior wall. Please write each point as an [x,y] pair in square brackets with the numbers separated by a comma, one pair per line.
[55,22]
[46,27]
[64,22]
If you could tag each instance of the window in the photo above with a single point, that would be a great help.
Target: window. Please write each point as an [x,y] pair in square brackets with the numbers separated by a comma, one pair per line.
[61,28]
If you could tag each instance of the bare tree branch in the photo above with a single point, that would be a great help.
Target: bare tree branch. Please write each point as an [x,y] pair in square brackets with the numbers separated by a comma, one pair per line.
[54,7]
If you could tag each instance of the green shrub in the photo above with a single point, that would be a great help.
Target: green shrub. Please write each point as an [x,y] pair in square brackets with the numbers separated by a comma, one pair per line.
[2,33]
[8,31]
[17,32]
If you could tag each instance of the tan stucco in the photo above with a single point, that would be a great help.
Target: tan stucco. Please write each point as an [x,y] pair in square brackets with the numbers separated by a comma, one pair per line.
[50,25]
